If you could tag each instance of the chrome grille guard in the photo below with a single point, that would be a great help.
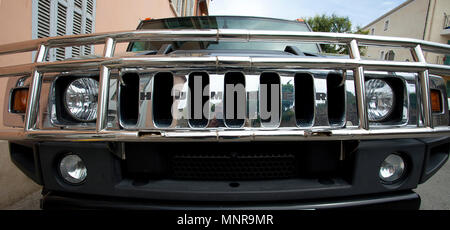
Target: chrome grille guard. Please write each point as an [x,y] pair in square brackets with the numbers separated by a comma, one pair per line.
[105,64]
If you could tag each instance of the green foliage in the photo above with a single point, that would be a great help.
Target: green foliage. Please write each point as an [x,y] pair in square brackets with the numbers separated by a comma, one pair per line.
[334,24]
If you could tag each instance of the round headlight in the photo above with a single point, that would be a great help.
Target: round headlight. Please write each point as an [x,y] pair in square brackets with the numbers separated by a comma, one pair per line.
[80,99]
[73,169]
[392,168]
[380,99]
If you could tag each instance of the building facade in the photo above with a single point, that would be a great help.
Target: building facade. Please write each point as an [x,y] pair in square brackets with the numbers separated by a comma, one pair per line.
[419,19]
[31,19]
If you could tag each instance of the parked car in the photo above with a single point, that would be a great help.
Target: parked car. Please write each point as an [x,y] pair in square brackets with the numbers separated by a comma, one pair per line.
[223,112]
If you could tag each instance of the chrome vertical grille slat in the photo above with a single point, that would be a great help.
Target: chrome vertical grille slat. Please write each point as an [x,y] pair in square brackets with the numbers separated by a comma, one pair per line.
[217,93]
[252,91]
[321,105]
[145,119]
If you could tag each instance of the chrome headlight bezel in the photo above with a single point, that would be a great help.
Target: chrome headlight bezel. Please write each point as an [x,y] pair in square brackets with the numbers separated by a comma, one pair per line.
[94,100]
[392,94]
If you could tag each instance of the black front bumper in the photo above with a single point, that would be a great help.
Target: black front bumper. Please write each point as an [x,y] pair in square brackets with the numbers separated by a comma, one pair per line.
[395,201]
[111,181]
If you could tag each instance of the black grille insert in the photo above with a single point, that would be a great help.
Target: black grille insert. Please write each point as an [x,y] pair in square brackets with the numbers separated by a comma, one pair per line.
[129,99]
[304,99]
[234,166]
[235,99]
[235,161]
[336,99]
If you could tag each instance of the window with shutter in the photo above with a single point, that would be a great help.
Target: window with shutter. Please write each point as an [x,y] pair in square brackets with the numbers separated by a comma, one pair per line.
[89,24]
[79,3]
[88,49]
[61,24]
[76,28]
[43,21]
[184,7]
[90,7]
[64,17]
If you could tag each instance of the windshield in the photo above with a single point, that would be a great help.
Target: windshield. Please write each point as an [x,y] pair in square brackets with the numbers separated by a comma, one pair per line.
[224,23]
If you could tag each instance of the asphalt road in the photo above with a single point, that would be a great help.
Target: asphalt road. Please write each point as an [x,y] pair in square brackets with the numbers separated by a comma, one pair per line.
[435,194]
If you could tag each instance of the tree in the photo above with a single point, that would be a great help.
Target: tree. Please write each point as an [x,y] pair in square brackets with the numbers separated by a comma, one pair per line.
[335,24]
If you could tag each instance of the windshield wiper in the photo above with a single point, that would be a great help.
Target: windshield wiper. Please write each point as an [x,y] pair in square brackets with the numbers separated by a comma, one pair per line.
[293,50]
[296,51]
[165,49]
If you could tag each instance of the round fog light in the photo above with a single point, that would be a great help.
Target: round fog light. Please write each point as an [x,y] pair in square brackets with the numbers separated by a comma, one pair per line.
[392,168]
[72,169]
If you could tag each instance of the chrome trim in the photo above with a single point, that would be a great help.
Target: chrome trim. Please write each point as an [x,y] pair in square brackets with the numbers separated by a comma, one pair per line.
[108,63]
[225,62]
[359,86]
[224,135]
[102,108]
[216,35]
[424,81]
[35,90]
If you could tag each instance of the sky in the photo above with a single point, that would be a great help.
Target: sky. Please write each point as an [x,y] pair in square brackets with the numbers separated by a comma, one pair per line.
[360,12]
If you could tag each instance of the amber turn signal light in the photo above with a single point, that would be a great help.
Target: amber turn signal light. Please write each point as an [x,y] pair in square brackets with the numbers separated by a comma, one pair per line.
[19,100]
[436,101]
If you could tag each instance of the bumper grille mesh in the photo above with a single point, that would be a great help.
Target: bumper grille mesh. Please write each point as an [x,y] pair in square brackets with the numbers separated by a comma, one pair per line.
[234,166]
